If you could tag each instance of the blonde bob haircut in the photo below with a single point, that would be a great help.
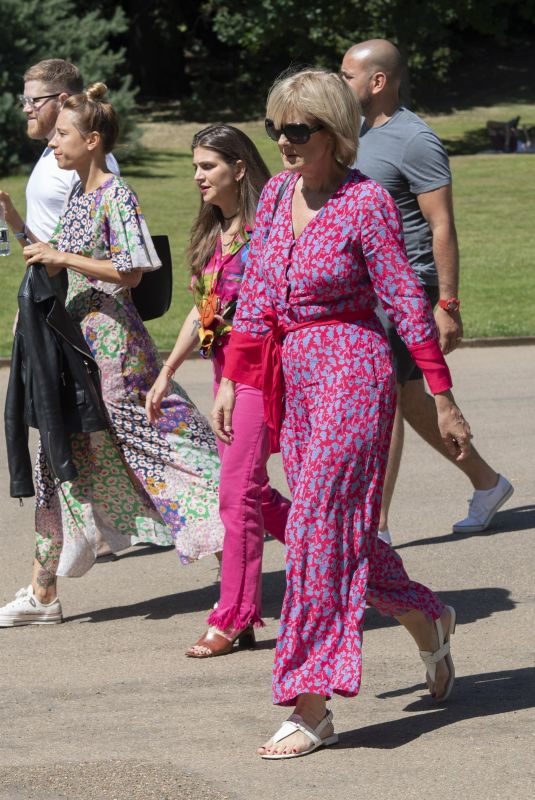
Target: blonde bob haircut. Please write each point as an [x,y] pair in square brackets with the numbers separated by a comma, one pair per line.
[324,96]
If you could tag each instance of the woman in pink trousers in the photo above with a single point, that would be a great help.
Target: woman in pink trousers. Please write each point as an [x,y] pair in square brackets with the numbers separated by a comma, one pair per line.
[230,174]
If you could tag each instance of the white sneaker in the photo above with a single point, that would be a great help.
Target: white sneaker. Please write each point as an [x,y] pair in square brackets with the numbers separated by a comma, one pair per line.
[26,609]
[385,536]
[483,506]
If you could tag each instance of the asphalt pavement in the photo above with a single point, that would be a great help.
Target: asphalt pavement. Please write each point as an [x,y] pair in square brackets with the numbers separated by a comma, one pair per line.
[107,707]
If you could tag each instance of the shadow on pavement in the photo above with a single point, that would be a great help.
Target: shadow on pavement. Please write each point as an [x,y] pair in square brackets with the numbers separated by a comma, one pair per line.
[134,552]
[156,608]
[521,518]
[470,604]
[482,695]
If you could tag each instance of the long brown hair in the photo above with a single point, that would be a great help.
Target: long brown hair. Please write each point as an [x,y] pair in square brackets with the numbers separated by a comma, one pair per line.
[232,145]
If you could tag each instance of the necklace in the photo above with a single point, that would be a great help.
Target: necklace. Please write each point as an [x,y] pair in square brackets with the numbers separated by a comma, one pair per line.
[233,216]
[228,239]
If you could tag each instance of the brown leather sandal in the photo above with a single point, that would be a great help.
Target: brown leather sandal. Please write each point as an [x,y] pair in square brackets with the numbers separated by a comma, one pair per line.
[216,644]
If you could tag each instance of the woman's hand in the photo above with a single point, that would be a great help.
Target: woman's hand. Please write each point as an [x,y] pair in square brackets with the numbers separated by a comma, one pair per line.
[12,216]
[454,429]
[7,202]
[222,412]
[41,253]
[155,395]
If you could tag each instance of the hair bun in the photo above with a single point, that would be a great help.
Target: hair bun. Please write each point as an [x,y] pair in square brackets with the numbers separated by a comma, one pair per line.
[96,92]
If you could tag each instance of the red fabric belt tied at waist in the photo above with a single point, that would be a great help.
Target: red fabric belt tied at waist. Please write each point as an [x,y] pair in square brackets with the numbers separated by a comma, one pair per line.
[273,376]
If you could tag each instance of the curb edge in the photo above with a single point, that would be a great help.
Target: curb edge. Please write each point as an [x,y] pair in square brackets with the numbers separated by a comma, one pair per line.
[491,341]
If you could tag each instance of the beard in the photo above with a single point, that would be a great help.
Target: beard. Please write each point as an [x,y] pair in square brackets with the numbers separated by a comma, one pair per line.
[365,102]
[35,129]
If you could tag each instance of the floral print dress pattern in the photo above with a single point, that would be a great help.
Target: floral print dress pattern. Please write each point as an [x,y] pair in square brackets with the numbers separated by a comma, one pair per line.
[136,482]
[220,280]
[336,431]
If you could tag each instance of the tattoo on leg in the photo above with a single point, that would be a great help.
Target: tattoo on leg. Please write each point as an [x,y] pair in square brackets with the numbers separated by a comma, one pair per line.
[45,579]
[47,554]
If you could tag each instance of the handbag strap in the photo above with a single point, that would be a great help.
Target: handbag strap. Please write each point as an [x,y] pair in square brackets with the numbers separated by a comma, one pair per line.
[280,193]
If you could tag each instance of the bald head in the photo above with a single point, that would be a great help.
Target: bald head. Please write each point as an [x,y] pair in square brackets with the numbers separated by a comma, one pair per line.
[373,70]
[378,55]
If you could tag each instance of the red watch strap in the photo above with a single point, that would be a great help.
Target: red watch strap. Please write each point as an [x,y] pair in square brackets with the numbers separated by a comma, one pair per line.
[451,304]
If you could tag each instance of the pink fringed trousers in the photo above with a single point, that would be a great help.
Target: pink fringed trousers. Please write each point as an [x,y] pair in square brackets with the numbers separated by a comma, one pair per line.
[249,506]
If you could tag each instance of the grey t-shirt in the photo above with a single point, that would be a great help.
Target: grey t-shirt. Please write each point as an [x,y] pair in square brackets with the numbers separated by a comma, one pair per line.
[406,157]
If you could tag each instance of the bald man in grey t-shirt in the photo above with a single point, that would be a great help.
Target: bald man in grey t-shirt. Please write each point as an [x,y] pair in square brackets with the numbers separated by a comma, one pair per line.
[406,157]
[398,150]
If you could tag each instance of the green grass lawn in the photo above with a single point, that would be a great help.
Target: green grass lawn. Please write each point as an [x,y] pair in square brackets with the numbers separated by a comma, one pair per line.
[493,205]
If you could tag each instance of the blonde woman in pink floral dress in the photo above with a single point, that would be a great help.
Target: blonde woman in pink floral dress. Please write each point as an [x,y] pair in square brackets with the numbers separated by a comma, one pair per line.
[136,482]
[305,332]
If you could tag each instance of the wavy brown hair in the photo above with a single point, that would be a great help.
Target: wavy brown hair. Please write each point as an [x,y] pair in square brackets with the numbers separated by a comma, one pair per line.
[232,145]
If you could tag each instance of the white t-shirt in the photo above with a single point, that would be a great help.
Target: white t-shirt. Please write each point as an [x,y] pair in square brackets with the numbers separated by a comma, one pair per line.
[46,192]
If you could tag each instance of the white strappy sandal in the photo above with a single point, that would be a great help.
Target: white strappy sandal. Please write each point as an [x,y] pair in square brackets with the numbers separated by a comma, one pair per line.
[431,659]
[295,723]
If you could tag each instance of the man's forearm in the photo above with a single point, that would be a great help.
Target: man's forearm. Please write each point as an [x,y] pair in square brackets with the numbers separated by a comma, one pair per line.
[446,256]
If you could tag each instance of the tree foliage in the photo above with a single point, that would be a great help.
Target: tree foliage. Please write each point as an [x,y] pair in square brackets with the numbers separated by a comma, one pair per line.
[269,35]
[218,57]
[160,37]
[38,29]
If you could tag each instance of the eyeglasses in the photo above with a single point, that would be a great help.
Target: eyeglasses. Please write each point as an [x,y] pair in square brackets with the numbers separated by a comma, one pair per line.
[295,132]
[31,101]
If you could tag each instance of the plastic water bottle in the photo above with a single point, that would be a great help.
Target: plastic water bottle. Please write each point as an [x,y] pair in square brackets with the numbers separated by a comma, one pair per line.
[4,236]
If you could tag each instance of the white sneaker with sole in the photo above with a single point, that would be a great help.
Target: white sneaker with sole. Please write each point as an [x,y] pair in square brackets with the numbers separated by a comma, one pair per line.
[483,506]
[26,609]
[385,536]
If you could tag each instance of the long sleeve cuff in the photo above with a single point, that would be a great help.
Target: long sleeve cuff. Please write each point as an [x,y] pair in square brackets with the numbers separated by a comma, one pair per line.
[429,358]
[243,359]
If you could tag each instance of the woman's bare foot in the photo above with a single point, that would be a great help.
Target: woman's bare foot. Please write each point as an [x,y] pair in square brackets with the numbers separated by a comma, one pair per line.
[312,709]
[216,642]
[210,637]
[425,634]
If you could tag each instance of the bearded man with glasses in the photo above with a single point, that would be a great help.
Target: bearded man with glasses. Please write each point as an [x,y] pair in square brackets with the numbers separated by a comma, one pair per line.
[46,87]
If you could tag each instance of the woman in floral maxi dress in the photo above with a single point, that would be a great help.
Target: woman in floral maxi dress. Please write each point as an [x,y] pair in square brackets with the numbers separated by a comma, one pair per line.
[136,482]
[305,327]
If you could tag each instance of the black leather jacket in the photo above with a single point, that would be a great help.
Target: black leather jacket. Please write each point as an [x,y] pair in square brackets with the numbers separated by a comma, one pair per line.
[53,385]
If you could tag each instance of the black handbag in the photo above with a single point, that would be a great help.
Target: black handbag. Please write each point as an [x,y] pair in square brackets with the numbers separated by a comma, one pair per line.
[152,296]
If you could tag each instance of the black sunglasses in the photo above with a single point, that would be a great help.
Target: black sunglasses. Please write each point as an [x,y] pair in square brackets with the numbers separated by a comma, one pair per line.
[295,132]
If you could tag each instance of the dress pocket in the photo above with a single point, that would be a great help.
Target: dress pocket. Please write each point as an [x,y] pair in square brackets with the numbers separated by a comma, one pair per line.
[380,356]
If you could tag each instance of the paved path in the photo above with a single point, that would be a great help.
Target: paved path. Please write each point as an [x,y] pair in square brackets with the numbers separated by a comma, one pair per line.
[106,706]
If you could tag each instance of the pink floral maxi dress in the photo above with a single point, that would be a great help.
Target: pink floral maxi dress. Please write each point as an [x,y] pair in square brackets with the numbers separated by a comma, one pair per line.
[339,406]
[136,482]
